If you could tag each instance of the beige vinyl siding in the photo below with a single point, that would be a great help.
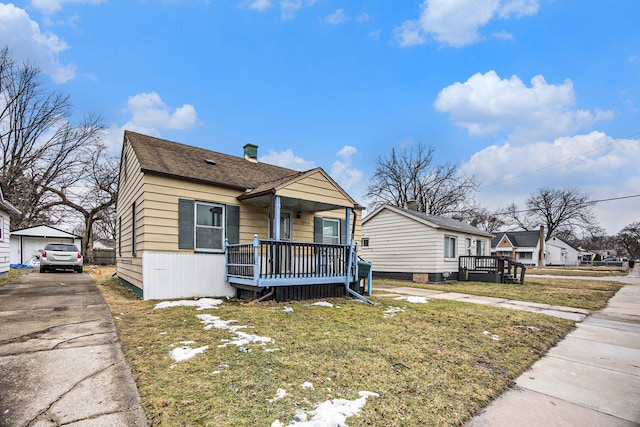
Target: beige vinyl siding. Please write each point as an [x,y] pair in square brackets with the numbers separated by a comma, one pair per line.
[315,187]
[130,191]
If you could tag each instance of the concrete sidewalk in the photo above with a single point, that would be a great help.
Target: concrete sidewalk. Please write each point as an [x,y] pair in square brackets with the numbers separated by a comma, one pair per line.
[591,378]
[60,357]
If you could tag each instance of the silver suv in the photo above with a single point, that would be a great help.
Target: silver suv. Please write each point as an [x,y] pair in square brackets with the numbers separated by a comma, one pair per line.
[60,256]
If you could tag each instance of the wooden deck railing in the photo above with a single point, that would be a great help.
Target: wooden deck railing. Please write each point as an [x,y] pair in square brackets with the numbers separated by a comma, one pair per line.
[281,263]
[504,266]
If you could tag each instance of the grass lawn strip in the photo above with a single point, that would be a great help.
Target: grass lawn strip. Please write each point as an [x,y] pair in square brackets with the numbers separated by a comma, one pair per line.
[433,363]
[586,294]
[586,271]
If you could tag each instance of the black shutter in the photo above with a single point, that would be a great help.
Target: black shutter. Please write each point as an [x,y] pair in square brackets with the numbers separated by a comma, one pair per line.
[185,223]
[343,231]
[317,229]
[233,224]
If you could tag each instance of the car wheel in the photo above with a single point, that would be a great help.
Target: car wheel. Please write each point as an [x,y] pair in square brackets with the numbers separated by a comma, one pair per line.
[42,270]
[79,270]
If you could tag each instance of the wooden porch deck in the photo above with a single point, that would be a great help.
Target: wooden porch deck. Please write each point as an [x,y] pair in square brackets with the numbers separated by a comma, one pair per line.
[265,264]
[494,269]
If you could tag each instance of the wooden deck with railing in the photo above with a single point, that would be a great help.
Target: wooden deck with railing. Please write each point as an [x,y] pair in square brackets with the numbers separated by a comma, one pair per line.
[267,263]
[492,269]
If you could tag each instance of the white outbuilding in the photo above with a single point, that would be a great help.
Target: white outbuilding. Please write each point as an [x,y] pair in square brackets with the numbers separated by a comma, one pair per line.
[26,243]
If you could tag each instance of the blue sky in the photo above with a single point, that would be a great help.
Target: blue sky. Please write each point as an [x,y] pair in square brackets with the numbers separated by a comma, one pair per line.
[522,93]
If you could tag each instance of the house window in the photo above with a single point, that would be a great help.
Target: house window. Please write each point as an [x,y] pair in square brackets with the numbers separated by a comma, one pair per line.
[209,227]
[133,229]
[525,255]
[365,242]
[481,247]
[331,231]
[449,247]
[468,246]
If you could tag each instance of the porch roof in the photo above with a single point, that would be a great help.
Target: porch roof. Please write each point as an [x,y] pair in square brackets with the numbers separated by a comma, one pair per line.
[296,193]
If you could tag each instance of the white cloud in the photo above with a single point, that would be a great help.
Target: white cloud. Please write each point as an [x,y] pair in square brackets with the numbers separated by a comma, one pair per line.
[260,5]
[28,43]
[151,114]
[486,104]
[51,6]
[287,159]
[337,17]
[288,8]
[342,170]
[457,22]
[362,18]
[596,163]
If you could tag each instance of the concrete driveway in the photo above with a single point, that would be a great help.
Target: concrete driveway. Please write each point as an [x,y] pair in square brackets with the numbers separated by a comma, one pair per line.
[61,362]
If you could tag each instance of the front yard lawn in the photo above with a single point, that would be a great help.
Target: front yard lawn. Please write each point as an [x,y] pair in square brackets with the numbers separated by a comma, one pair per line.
[434,363]
[587,294]
[586,271]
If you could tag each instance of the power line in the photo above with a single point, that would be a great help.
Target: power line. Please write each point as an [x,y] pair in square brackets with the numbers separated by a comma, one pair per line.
[560,162]
[585,203]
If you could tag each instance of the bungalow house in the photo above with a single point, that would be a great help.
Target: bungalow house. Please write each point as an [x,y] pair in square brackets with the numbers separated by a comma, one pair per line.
[559,252]
[193,222]
[27,243]
[405,244]
[526,247]
[6,209]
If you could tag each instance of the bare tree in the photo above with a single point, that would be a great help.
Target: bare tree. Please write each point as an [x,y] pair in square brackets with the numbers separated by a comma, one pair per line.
[482,218]
[629,239]
[91,195]
[411,176]
[41,149]
[559,210]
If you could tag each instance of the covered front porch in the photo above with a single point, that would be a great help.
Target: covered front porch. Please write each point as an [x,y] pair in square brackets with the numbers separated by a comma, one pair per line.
[310,251]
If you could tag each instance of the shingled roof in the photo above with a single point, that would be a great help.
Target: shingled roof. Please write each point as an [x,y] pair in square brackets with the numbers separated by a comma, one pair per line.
[435,220]
[519,239]
[162,157]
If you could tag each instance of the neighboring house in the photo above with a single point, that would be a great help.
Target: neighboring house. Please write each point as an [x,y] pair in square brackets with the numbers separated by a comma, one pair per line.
[559,252]
[405,244]
[526,247]
[190,222]
[6,209]
[27,242]
[108,244]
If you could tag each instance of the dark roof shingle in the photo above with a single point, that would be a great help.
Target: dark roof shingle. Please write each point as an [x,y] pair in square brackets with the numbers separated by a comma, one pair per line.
[181,161]
[519,239]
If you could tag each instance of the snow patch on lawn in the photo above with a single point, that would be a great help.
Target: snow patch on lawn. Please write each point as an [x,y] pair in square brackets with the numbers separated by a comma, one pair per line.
[201,304]
[331,413]
[414,299]
[185,352]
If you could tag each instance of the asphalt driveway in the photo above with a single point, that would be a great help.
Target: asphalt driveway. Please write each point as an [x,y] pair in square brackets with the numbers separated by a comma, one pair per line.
[61,362]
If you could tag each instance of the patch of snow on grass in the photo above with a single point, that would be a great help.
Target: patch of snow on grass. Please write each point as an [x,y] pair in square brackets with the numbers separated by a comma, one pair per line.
[391,311]
[492,336]
[323,304]
[333,413]
[201,304]
[239,339]
[307,385]
[185,352]
[414,299]
[280,394]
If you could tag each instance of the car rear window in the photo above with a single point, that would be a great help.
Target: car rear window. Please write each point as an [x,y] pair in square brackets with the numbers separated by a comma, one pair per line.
[61,248]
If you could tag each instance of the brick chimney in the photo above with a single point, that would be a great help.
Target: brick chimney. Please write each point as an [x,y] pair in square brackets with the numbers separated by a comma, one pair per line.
[541,253]
[412,205]
[251,152]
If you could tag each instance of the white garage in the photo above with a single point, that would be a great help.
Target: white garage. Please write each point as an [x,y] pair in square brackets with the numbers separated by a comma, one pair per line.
[25,243]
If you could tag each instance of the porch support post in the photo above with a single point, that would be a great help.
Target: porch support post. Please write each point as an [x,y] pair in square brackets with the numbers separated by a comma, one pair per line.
[276,218]
[256,260]
[347,223]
